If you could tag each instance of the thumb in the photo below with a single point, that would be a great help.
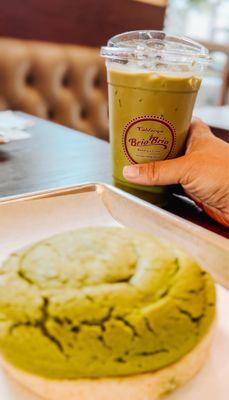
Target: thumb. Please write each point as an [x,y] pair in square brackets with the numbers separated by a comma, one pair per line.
[166,172]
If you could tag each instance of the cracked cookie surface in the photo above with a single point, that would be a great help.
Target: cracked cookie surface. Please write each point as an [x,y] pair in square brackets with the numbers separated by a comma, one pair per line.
[99,302]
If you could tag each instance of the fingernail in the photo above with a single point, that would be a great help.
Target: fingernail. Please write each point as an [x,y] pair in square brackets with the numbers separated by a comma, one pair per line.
[130,172]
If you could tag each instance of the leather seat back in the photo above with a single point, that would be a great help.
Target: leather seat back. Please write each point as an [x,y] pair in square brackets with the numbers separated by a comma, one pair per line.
[63,83]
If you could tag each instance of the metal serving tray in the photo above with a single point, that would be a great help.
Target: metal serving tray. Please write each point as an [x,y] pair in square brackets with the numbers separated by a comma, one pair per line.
[104,201]
[25,219]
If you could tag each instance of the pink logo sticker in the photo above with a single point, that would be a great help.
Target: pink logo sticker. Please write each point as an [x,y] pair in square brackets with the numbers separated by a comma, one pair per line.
[148,138]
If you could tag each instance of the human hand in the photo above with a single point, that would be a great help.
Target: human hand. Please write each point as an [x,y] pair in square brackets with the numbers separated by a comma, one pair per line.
[203,172]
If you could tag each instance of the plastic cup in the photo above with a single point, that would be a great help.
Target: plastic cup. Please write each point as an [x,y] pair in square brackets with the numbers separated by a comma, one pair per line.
[153,81]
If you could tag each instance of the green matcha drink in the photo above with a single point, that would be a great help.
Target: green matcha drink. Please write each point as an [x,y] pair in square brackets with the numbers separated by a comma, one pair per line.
[153,82]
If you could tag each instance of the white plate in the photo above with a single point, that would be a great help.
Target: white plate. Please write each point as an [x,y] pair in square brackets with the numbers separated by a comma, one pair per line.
[25,222]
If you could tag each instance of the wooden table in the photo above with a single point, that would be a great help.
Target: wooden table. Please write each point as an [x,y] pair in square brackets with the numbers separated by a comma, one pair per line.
[56,156]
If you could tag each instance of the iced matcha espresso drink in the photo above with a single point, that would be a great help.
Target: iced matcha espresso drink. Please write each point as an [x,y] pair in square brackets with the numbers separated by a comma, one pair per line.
[153,81]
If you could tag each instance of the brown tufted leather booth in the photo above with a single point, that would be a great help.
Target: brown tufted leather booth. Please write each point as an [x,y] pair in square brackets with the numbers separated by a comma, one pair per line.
[64,83]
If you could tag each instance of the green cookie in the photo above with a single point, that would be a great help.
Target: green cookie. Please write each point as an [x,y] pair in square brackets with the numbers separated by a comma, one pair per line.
[99,302]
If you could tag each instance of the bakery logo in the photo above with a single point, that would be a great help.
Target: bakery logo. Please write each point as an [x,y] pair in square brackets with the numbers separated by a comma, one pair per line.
[148,138]
[153,140]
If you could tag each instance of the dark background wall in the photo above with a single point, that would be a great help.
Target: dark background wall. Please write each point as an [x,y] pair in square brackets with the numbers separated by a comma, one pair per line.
[89,22]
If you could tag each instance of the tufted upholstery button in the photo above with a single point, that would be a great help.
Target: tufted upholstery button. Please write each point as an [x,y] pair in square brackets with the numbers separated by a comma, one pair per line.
[64,83]
[84,113]
[51,113]
[66,80]
[30,79]
[98,80]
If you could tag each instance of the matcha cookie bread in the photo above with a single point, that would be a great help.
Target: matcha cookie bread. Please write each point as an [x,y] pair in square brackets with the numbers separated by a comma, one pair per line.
[105,309]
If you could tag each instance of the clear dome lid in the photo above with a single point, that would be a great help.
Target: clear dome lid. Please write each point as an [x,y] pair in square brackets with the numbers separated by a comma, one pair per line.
[153,47]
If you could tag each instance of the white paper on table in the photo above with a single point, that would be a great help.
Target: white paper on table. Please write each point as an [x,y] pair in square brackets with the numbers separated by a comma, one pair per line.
[13,127]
